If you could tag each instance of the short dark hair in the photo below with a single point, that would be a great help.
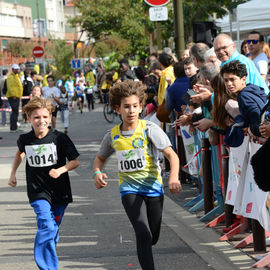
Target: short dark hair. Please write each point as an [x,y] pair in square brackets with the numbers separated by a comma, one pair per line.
[32,73]
[234,67]
[188,61]
[179,70]
[166,59]
[51,77]
[4,72]
[261,37]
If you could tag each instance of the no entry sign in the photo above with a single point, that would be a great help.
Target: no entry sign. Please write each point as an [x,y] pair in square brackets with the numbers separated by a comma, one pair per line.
[38,52]
[157,3]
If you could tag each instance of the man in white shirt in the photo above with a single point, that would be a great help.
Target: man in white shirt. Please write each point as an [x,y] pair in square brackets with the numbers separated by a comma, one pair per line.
[53,93]
[255,44]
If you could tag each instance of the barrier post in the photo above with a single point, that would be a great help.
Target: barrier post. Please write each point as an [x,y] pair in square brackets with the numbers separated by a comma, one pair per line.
[225,170]
[258,236]
[207,176]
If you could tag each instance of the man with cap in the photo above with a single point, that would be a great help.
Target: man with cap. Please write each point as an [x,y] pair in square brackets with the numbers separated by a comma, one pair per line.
[14,94]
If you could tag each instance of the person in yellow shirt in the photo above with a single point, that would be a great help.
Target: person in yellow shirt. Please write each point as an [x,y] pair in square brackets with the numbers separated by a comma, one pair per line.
[106,86]
[14,92]
[167,75]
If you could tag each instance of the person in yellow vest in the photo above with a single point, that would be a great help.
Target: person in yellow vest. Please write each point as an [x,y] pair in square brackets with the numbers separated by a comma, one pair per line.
[90,78]
[167,75]
[136,143]
[14,92]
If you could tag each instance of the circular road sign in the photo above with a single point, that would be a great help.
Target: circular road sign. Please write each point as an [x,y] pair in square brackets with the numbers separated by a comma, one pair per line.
[38,52]
[157,3]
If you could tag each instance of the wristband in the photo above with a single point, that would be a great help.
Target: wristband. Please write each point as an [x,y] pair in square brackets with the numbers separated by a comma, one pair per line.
[96,173]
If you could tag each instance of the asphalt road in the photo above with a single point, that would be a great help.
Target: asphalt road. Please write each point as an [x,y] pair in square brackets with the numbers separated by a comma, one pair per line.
[95,233]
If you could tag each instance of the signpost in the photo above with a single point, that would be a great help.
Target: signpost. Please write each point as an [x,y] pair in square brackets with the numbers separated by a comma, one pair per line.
[157,3]
[158,13]
[76,63]
[38,52]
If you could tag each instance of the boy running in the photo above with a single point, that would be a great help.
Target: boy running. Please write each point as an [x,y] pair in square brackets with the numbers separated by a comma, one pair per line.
[136,143]
[48,185]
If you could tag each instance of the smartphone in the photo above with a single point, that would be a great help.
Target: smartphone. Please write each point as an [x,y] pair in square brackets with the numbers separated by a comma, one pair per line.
[191,92]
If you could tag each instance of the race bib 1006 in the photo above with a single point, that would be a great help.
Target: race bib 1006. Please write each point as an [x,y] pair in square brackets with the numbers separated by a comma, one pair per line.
[41,155]
[131,160]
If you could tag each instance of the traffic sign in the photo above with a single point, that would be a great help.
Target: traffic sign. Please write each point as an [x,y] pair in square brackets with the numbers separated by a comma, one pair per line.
[158,14]
[157,3]
[38,52]
[76,63]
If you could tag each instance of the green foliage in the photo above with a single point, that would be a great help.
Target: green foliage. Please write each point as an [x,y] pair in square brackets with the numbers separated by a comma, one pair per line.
[129,20]
[15,48]
[62,54]
[103,17]
[112,43]
[111,61]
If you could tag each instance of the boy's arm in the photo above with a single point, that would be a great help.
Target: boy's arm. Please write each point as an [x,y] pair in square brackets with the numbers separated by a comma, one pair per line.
[72,164]
[16,163]
[174,183]
[98,175]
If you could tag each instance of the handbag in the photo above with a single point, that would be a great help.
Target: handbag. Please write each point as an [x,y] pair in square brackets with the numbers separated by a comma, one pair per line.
[162,114]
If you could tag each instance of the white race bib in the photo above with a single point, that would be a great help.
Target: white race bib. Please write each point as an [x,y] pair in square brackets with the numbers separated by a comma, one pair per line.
[89,90]
[41,155]
[131,160]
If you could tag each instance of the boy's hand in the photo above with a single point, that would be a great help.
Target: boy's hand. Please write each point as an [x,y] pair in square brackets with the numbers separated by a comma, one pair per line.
[99,180]
[54,173]
[265,130]
[174,185]
[12,181]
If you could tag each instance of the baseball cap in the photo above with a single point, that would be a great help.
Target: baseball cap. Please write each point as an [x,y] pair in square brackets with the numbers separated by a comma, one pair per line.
[15,66]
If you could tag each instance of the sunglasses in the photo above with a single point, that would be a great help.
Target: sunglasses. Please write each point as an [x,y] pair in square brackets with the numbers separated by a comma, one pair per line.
[253,41]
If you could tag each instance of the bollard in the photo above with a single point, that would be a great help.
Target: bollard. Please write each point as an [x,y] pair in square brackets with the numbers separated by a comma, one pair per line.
[225,169]
[258,236]
[207,176]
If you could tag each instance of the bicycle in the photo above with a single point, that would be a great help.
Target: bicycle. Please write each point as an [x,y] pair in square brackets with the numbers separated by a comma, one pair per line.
[109,113]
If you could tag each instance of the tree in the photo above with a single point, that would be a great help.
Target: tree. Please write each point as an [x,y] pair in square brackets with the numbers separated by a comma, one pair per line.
[62,54]
[125,18]
[129,18]
[16,48]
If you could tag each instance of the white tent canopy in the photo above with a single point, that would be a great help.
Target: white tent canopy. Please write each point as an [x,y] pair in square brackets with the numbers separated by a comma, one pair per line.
[251,16]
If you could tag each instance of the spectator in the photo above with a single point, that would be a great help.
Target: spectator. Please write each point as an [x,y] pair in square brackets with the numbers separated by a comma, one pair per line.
[166,62]
[179,87]
[53,94]
[210,57]
[14,93]
[255,44]
[225,50]
[5,104]
[244,48]
[125,71]
[197,52]
[185,54]
[266,50]
[28,84]
[251,98]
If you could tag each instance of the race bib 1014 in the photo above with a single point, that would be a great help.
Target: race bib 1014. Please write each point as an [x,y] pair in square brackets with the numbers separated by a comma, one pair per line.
[41,155]
[131,160]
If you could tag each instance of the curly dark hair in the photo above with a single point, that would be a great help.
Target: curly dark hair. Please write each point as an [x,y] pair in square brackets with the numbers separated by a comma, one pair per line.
[234,67]
[124,89]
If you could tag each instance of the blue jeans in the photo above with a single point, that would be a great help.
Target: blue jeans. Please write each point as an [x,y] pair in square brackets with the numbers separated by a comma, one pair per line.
[48,220]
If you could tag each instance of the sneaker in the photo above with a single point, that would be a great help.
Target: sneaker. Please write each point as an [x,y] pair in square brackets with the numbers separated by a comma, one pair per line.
[18,124]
